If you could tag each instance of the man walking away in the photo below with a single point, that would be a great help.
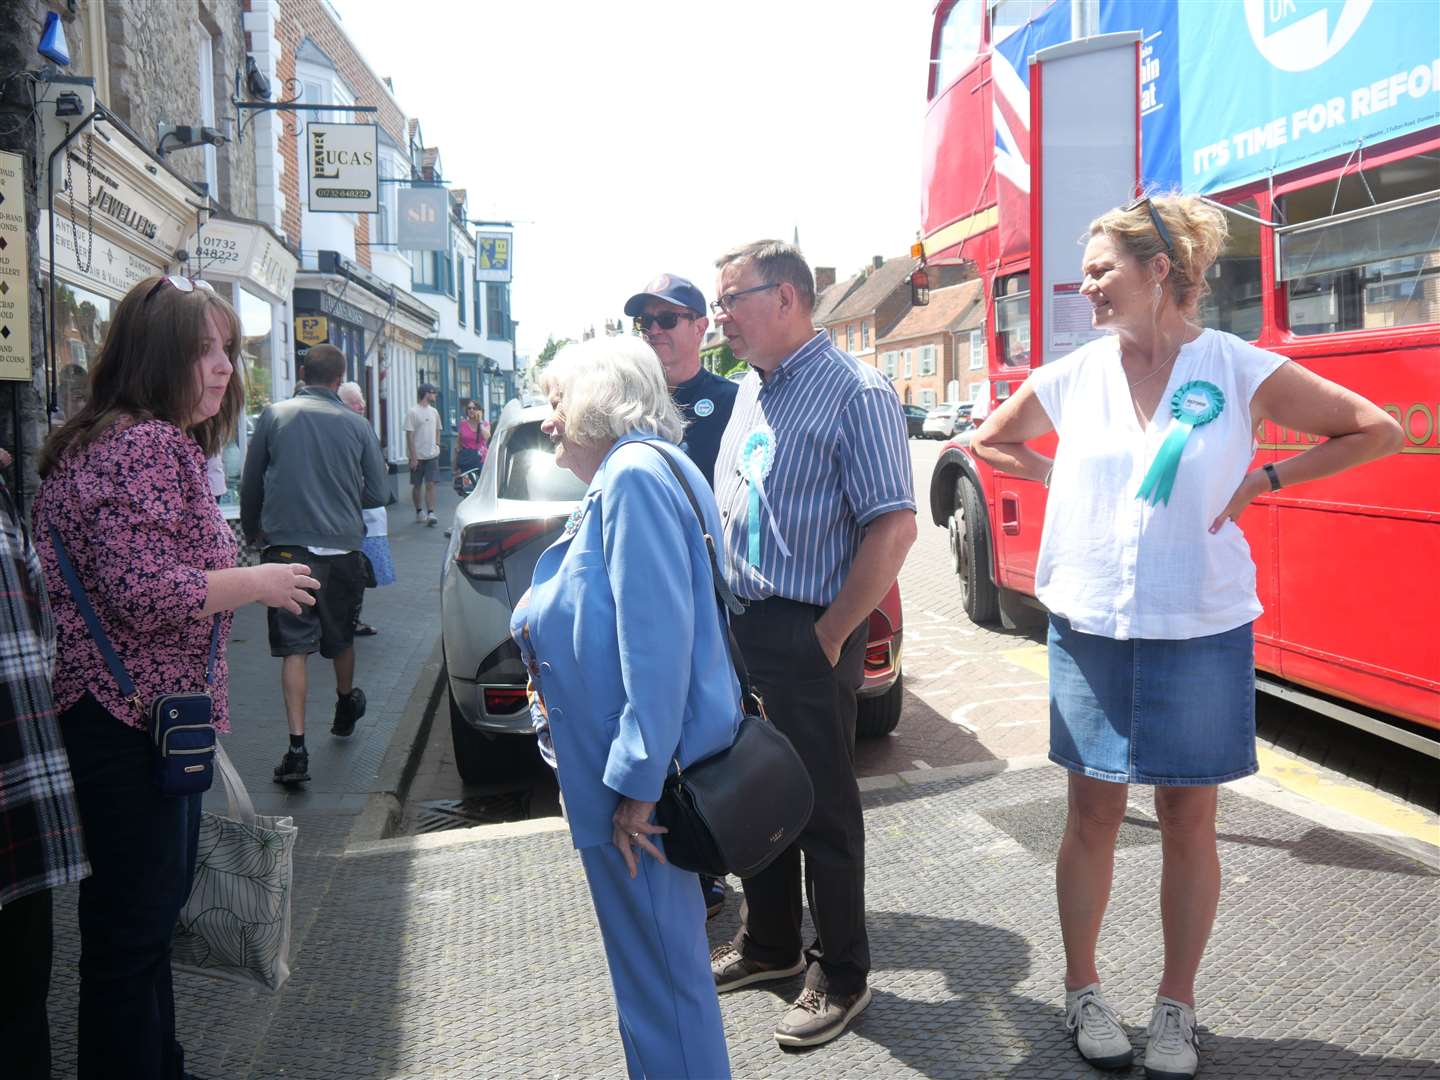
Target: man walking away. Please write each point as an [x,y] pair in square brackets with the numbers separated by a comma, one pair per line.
[312,466]
[823,437]
[670,315]
[422,442]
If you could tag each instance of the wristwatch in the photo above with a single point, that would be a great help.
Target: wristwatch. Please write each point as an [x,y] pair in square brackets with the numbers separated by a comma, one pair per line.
[1270,472]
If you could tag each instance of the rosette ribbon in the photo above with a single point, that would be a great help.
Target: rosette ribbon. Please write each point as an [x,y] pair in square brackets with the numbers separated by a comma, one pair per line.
[1194,405]
[756,457]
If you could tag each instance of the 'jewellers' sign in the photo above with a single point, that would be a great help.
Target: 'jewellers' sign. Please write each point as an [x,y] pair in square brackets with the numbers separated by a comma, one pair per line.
[343,168]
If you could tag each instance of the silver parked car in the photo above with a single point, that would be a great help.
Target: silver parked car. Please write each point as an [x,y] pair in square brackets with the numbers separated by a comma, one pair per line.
[518,507]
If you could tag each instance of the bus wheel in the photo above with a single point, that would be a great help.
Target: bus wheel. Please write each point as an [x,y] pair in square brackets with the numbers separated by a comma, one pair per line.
[970,550]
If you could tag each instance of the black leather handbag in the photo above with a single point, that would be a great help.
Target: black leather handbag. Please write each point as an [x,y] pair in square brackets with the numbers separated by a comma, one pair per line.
[736,811]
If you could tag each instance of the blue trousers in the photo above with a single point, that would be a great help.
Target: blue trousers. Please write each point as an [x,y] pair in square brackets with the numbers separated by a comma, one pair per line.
[654,933]
[142,848]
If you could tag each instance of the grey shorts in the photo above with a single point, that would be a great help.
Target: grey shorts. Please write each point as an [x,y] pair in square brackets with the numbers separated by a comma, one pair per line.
[426,471]
[328,625]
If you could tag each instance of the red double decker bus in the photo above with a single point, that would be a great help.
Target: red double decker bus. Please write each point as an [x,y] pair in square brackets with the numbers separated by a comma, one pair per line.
[1334,261]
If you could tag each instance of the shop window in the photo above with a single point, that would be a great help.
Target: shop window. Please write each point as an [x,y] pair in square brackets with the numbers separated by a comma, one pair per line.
[1363,253]
[1012,320]
[1233,303]
[927,398]
[460,290]
[81,321]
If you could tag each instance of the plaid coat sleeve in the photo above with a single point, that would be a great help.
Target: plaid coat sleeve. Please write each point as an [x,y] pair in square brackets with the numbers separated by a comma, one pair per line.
[40,841]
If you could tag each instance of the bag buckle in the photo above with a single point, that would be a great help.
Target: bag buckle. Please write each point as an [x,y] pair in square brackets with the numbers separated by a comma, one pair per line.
[139,706]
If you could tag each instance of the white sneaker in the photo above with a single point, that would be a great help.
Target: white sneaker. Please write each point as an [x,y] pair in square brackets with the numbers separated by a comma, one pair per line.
[1173,1050]
[1098,1034]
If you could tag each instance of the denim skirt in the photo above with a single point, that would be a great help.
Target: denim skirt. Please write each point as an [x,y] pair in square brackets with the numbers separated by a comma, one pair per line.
[1153,711]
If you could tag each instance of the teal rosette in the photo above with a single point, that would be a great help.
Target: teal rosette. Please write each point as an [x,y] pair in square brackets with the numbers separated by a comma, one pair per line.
[1193,405]
[756,457]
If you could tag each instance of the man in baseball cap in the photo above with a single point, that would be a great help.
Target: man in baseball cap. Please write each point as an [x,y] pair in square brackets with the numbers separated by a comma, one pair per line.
[670,315]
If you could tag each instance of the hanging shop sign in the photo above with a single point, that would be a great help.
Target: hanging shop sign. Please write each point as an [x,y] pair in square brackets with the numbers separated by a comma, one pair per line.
[424,223]
[14,272]
[247,251]
[311,329]
[493,253]
[343,167]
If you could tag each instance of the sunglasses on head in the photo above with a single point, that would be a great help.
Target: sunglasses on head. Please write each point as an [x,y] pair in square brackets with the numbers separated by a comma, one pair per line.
[1156,220]
[666,320]
[183,284]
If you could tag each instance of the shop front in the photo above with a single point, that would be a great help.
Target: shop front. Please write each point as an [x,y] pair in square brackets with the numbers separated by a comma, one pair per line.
[250,267]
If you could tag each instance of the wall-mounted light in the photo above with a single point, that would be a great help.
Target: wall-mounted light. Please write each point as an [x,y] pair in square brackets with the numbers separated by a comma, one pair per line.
[69,104]
[173,137]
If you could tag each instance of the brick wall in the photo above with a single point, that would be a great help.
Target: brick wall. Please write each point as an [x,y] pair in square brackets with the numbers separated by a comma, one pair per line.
[301,19]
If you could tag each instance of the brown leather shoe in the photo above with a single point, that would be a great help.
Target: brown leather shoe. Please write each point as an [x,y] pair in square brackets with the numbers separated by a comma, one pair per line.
[817,1017]
[732,971]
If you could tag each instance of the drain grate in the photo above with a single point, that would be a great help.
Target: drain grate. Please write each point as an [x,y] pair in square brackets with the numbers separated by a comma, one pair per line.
[445,814]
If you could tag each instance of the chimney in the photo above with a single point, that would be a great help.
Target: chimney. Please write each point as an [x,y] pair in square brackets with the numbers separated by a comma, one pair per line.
[824,278]
[877,261]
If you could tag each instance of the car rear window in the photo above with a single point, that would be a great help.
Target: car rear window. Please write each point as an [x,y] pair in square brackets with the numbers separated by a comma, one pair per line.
[528,469]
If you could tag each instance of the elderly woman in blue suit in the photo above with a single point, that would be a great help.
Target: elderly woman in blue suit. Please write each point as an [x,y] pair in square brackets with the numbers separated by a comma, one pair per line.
[626,648]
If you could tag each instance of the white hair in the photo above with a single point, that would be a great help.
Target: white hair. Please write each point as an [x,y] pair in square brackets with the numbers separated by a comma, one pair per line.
[609,387]
[350,391]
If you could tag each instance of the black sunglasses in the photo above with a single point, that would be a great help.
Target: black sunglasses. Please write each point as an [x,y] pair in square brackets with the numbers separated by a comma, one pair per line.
[184,284]
[1156,220]
[666,320]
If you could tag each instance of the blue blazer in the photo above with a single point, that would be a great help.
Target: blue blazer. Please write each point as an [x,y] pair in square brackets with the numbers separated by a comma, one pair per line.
[629,649]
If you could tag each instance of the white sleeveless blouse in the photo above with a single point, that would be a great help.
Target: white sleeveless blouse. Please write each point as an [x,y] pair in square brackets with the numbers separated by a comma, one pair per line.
[1111,563]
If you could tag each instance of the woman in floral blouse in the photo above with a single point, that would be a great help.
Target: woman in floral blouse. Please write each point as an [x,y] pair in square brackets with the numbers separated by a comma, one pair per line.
[124,485]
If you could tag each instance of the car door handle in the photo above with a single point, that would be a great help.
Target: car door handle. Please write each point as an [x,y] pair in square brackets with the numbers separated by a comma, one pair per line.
[1010,514]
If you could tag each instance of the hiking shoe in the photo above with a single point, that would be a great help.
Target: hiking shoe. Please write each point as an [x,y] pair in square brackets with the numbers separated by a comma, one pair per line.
[817,1017]
[714,891]
[348,709]
[1173,1052]
[294,767]
[431,520]
[1096,1027]
[732,971]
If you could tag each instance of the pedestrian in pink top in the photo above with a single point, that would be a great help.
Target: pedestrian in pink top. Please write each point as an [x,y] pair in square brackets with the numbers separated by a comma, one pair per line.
[124,485]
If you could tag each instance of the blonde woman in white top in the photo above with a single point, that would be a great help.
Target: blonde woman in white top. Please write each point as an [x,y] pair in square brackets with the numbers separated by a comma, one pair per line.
[1149,581]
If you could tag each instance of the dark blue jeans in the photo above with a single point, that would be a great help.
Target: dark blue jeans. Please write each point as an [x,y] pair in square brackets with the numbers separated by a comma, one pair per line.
[142,852]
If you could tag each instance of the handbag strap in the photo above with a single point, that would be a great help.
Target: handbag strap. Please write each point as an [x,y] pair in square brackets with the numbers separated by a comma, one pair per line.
[723,593]
[97,632]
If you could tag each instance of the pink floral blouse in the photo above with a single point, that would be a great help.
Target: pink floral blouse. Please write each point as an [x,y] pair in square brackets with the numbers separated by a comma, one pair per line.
[140,525]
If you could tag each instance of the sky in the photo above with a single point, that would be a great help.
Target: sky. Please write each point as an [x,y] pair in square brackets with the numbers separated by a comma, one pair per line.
[635,137]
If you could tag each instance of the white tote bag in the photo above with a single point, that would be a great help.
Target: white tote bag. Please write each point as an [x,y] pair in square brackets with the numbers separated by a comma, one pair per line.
[236,924]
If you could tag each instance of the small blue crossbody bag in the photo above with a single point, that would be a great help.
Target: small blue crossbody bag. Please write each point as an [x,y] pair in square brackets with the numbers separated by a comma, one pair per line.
[179,724]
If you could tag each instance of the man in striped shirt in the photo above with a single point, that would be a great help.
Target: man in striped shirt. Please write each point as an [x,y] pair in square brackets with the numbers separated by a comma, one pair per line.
[815,492]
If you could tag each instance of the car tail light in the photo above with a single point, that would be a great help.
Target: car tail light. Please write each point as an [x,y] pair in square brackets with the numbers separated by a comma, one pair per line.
[502,679]
[484,545]
[877,658]
[880,644]
[500,700]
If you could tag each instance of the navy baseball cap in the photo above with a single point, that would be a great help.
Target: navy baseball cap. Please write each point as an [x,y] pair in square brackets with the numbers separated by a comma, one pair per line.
[670,288]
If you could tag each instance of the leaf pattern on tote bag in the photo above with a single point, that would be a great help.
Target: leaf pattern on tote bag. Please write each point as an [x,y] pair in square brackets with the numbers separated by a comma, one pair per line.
[236,923]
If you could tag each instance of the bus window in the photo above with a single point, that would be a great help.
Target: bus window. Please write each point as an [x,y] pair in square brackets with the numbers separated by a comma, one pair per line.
[1365,253]
[958,44]
[1233,303]
[1007,16]
[1012,320]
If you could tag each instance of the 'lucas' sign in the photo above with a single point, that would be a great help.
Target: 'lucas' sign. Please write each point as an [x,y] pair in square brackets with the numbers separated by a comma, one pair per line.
[343,169]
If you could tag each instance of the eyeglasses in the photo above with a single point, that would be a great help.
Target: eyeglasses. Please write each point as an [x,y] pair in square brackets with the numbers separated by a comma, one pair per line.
[183,284]
[1156,220]
[666,320]
[727,302]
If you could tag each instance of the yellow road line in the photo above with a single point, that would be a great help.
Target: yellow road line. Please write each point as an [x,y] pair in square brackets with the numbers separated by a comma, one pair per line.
[1297,776]
[1032,658]
[1305,779]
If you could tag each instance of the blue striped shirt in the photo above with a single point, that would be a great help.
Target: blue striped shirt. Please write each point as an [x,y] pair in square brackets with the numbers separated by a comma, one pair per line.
[841,460]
